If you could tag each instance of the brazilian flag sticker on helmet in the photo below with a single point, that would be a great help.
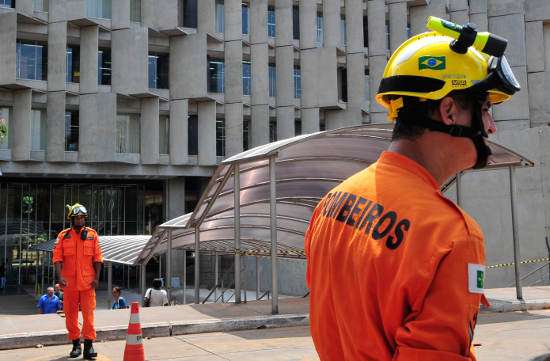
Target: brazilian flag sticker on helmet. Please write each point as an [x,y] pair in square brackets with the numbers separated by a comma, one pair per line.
[431,62]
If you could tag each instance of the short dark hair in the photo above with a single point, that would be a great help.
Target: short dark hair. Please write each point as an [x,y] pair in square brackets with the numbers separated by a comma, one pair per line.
[157,283]
[415,108]
[116,289]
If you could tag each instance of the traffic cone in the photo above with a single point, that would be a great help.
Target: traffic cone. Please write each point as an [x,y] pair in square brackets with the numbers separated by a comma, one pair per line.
[134,350]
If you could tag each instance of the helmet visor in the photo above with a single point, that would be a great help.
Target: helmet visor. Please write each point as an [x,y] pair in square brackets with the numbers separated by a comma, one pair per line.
[79,210]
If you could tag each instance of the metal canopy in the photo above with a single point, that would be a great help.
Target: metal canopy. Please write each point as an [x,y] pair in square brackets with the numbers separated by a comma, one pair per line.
[307,167]
[115,249]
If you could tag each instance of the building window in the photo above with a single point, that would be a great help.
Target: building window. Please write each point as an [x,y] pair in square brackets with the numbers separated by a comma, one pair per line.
[164,134]
[71,131]
[272,130]
[296,23]
[342,31]
[104,66]
[245,17]
[343,84]
[297,83]
[135,11]
[158,71]
[297,126]
[190,13]
[38,5]
[247,78]
[220,137]
[128,133]
[319,31]
[272,80]
[322,125]
[193,135]
[4,128]
[215,76]
[7,3]
[246,134]
[271,21]
[98,9]
[367,90]
[220,16]
[365,32]
[38,129]
[73,65]
[31,60]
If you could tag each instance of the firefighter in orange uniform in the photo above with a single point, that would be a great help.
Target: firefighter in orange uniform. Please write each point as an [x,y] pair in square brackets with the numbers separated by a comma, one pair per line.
[78,259]
[396,269]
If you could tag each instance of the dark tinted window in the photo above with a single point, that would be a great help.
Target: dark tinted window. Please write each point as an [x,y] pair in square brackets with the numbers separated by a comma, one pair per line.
[295,22]
[190,13]
[193,135]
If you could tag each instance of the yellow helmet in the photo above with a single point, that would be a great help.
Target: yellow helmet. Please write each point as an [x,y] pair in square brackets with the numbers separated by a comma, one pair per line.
[426,67]
[76,209]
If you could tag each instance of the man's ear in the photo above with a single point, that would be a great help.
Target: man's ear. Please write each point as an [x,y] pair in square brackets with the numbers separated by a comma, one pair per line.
[447,108]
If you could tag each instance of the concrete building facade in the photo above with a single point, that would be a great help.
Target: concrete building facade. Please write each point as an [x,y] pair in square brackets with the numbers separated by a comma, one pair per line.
[154,93]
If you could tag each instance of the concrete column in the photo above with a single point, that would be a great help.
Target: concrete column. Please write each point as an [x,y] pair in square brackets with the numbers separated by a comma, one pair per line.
[331,18]
[130,58]
[25,7]
[233,129]
[109,266]
[176,197]
[398,24]
[284,58]
[97,122]
[478,14]
[418,14]
[55,119]
[233,20]
[21,128]
[120,14]
[356,89]
[150,130]
[334,119]
[57,55]
[308,16]
[376,70]
[376,15]
[233,75]
[259,126]
[89,37]
[207,132]
[178,131]
[187,55]
[8,47]
[354,26]
[206,16]
[310,120]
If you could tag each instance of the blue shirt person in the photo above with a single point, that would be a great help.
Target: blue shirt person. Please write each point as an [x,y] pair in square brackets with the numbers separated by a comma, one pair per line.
[119,302]
[49,303]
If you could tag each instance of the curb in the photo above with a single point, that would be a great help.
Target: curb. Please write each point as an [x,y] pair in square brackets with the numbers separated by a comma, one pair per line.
[516,305]
[161,329]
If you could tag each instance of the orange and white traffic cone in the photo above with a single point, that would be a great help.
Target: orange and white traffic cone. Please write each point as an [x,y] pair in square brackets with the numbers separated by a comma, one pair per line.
[134,350]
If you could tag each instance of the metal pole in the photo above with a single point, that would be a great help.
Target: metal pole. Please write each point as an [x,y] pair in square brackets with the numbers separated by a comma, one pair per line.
[197,262]
[458,189]
[128,279]
[184,276]
[160,265]
[53,274]
[42,271]
[216,279]
[237,227]
[273,223]
[109,283]
[257,277]
[513,209]
[169,264]
[143,278]
[36,273]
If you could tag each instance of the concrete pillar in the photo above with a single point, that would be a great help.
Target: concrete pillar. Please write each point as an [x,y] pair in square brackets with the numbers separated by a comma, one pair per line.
[120,14]
[21,128]
[57,55]
[96,124]
[376,70]
[259,99]
[175,197]
[109,266]
[398,24]
[233,75]
[284,58]
[206,16]
[331,19]
[130,60]
[8,47]
[478,14]
[308,16]
[334,119]
[232,20]
[310,120]
[187,55]
[150,130]
[207,132]
[178,131]
[55,119]
[233,129]
[376,15]
[418,14]
[89,37]
[355,59]
[25,7]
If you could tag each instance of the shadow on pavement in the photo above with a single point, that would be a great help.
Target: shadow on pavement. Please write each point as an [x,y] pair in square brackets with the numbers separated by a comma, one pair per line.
[501,317]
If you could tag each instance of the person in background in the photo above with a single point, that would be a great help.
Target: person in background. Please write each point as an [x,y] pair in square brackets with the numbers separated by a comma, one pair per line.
[59,293]
[49,303]
[2,276]
[156,296]
[119,301]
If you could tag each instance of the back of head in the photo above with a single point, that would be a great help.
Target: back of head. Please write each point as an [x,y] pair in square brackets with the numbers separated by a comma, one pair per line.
[157,283]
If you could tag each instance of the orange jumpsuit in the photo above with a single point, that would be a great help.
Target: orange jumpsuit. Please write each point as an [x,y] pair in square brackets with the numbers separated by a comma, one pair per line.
[78,257]
[395,269]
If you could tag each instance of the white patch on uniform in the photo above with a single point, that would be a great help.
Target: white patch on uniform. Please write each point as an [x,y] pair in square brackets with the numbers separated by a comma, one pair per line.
[476,277]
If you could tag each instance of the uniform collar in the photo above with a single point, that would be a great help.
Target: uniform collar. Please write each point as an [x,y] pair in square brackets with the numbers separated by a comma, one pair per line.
[403,162]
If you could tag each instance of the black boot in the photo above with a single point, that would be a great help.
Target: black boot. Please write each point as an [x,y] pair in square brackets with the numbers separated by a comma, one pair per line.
[77,350]
[89,353]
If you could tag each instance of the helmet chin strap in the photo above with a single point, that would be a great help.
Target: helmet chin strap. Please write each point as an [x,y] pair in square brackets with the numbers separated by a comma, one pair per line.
[476,133]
